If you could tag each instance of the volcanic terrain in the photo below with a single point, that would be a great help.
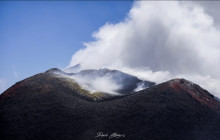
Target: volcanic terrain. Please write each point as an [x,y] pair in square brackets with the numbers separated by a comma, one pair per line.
[51,105]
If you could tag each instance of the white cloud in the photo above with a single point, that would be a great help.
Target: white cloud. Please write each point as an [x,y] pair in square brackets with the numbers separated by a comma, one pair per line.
[15,72]
[100,84]
[158,41]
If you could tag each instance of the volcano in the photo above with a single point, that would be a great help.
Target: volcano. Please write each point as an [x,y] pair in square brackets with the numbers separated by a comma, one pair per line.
[52,105]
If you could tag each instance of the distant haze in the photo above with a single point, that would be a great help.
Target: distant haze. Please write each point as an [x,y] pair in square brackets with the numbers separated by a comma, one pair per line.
[158,41]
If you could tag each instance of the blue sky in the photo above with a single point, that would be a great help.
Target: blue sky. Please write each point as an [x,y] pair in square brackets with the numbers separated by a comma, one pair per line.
[36,36]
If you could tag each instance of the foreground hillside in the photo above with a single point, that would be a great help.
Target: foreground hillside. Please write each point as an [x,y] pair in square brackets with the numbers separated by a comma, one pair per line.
[49,107]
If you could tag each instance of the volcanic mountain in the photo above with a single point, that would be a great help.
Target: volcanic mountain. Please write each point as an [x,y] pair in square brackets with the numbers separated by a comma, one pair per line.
[52,105]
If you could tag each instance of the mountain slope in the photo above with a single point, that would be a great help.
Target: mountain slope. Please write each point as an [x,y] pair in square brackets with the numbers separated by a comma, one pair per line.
[47,107]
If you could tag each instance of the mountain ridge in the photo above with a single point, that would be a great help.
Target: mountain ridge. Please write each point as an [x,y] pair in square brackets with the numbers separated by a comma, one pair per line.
[48,107]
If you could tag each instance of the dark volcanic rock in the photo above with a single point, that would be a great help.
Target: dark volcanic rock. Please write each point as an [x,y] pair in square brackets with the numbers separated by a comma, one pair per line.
[47,107]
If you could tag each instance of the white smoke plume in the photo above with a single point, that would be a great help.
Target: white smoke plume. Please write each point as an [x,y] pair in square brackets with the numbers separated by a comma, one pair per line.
[3,85]
[101,84]
[158,41]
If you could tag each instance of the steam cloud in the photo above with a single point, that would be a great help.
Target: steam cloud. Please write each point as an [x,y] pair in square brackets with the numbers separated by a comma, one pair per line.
[101,84]
[2,85]
[158,41]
